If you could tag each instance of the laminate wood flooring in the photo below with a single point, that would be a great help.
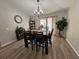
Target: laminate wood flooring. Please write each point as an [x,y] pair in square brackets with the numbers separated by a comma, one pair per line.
[60,50]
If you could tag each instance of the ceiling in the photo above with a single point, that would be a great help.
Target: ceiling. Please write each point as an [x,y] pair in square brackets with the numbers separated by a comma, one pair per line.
[48,6]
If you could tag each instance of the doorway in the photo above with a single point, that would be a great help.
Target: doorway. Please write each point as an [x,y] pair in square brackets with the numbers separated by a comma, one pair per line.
[47,24]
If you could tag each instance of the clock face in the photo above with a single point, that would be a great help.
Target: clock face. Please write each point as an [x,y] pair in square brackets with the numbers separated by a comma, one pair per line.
[18,19]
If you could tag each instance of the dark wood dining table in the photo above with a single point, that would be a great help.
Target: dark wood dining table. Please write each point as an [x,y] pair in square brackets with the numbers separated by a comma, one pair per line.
[34,33]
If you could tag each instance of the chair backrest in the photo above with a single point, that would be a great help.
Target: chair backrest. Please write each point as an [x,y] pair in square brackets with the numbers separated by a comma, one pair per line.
[27,35]
[50,34]
[39,36]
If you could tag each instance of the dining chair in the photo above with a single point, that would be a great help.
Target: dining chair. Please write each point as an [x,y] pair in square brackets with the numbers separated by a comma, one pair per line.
[50,36]
[27,38]
[40,42]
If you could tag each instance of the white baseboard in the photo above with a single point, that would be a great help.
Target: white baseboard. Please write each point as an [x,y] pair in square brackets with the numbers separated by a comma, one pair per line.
[72,47]
[8,43]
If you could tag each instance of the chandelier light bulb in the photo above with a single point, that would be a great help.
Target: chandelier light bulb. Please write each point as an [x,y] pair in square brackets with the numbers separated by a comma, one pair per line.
[38,10]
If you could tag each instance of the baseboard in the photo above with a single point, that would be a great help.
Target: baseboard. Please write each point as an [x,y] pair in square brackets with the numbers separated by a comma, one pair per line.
[72,47]
[8,43]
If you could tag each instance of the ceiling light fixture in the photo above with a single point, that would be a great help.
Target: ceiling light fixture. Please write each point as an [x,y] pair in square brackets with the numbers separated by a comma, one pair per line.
[38,11]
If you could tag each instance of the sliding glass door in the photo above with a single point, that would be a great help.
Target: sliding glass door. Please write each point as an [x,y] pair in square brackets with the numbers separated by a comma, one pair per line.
[43,25]
[46,24]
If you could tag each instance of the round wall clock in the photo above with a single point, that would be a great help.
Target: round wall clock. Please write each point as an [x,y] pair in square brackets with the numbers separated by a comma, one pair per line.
[18,19]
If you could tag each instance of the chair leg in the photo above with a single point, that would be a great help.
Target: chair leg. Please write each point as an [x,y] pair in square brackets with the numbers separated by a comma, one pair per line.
[50,42]
[36,46]
[46,47]
[32,44]
[26,43]
[42,48]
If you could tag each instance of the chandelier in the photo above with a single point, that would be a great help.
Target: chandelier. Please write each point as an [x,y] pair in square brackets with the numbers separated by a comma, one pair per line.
[38,11]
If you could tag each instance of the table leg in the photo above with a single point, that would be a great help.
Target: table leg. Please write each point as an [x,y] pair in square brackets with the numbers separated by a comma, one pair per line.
[26,43]
[46,47]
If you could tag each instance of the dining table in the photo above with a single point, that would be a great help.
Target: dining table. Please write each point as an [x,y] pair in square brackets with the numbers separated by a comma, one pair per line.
[45,36]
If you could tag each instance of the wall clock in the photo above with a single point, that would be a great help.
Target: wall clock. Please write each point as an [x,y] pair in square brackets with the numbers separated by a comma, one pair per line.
[18,19]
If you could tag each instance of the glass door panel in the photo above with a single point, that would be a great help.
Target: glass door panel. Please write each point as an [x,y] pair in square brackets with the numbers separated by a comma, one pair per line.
[49,24]
[43,25]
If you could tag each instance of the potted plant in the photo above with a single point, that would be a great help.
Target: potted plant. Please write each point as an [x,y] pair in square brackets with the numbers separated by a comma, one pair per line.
[61,24]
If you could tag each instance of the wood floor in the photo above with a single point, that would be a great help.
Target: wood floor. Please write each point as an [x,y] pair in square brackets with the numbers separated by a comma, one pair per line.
[60,50]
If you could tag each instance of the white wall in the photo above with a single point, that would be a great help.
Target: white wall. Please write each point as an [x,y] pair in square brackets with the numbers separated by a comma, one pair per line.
[73,29]
[7,23]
